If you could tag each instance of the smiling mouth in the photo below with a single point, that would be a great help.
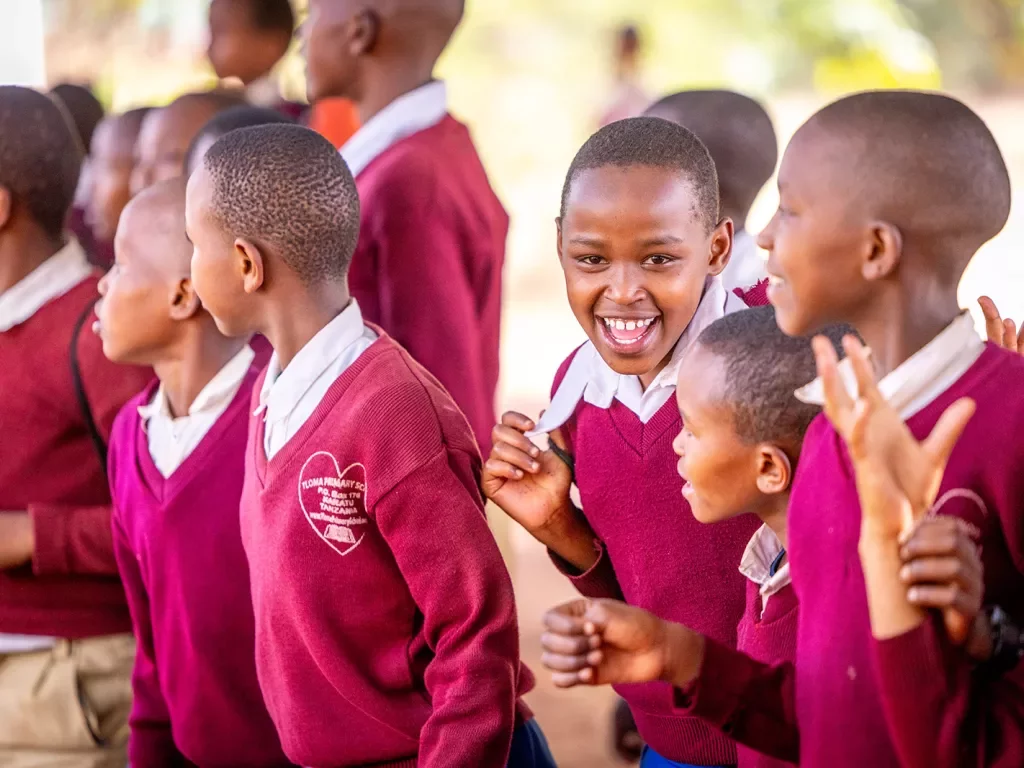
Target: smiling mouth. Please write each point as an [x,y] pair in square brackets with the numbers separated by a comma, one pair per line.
[628,335]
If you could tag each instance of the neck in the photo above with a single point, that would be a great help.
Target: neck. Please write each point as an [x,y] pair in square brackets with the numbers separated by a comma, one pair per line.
[386,85]
[197,359]
[18,259]
[289,331]
[774,516]
[900,324]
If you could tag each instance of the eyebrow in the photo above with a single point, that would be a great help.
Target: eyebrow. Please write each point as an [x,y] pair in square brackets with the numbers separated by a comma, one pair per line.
[665,239]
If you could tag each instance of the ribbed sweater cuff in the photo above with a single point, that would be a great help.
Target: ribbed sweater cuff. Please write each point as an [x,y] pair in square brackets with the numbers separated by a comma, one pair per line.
[598,581]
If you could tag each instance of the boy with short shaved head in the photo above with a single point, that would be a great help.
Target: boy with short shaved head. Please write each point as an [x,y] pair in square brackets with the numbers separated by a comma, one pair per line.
[177,456]
[432,242]
[741,139]
[63,620]
[167,132]
[381,600]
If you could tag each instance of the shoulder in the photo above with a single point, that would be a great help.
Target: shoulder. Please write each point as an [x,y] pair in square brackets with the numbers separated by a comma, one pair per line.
[126,424]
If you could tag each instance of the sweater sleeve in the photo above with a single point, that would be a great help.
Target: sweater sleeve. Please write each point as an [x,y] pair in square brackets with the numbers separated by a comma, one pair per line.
[426,300]
[150,744]
[752,703]
[73,538]
[598,581]
[459,582]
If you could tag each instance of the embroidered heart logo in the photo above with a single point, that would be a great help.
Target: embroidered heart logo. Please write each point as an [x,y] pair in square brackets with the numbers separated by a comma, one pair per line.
[333,501]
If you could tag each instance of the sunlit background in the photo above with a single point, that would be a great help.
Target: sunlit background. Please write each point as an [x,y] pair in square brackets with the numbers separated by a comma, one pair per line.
[531,78]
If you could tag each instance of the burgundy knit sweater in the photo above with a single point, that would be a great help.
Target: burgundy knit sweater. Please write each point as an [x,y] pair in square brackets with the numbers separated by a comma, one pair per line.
[428,266]
[912,700]
[386,629]
[179,549]
[50,466]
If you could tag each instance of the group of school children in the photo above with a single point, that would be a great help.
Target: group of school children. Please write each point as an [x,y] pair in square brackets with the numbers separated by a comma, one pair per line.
[243,474]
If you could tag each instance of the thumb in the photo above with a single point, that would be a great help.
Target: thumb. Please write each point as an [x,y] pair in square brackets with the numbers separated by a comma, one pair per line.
[993,321]
[956,625]
[556,437]
[939,444]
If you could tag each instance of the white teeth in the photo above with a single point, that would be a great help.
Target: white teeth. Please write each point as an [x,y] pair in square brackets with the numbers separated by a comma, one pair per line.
[627,325]
[630,326]
[620,325]
[774,280]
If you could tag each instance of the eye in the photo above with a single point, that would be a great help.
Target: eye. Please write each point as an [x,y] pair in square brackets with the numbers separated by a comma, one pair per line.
[659,259]
[591,260]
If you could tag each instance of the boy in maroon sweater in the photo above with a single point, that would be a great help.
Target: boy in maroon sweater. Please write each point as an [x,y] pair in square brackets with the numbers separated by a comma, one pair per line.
[740,136]
[65,655]
[111,160]
[176,467]
[381,600]
[642,246]
[432,241]
[167,132]
[885,197]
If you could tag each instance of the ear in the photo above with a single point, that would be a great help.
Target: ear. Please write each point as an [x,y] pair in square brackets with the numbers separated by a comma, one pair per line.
[774,470]
[250,263]
[184,301]
[558,234]
[6,204]
[886,250]
[720,247]
[364,32]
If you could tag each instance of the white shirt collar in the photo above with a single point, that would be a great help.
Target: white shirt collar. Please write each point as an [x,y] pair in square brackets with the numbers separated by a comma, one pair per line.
[411,113]
[51,279]
[762,550]
[213,397]
[591,379]
[746,265]
[923,376]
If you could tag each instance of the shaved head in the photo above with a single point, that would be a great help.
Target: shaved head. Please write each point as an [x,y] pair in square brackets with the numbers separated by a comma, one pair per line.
[923,162]
[157,216]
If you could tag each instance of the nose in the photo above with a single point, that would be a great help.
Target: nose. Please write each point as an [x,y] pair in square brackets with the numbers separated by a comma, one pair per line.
[625,286]
[102,287]
[677,446]
[766,237]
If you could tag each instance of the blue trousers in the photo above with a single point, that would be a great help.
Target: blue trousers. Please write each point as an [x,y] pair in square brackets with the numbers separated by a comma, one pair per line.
[652,759]
[530,748]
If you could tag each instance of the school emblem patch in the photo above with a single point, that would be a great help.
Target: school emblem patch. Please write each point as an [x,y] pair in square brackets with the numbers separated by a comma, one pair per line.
[334,501]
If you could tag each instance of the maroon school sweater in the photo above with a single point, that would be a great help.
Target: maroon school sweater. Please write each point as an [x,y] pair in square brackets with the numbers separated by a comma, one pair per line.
[50,466]
[767,636]
[386,629]
[911,700]
[428,265]
[179,550]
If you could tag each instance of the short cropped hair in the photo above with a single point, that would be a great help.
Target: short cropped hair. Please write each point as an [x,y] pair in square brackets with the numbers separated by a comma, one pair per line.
[763,369]
[287,188]
[271,15]
[738,133]
[656,143]
[83,108]
[926,163]
[232,119]
[40,158]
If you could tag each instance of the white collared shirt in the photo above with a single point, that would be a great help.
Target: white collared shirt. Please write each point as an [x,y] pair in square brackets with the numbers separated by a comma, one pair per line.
[746,267]
[411,113]
[591,379]
[172,440]
[50,280]
[762,550]
[289,397]
[923,376]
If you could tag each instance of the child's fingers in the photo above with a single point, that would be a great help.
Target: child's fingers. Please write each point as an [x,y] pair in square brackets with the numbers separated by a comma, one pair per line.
[570,679]
[558,662]
[941,597]
[517,421]
[567,619]
[937,570]
[1020,340]
[505,435]
[837,400]
[939,444]
[569,645]
[993,321]
[514,456]
[958,626]
[939,535]
[1009,334]
[867,386]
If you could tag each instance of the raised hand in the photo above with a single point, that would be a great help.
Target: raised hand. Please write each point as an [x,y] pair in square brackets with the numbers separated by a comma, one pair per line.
[1000,331]
[600,642]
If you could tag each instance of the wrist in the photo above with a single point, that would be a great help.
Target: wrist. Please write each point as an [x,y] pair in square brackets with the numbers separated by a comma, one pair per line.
[682,654]
[568,534]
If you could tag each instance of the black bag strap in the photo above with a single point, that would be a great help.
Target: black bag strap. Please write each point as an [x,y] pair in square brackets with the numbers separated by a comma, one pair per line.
[83,400]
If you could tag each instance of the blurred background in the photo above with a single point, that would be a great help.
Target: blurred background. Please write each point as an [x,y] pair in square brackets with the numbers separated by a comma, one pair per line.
[533,78]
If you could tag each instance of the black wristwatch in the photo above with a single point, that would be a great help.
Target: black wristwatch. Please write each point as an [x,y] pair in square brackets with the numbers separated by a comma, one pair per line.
[1007,642]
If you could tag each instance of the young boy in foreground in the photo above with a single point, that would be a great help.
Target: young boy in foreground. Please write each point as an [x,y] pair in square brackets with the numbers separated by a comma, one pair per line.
[177,459]
[381,600]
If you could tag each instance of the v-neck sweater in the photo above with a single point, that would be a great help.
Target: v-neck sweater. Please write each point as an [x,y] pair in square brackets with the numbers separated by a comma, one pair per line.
[380,596]
[179,550]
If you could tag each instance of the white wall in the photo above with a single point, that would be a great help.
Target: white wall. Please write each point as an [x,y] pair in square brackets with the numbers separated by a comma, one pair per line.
[22,61]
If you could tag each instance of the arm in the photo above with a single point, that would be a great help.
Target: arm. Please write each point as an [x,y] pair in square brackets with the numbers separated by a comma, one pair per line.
[607,642]
[150,744]
[73,538]
[456,576]
[426,300]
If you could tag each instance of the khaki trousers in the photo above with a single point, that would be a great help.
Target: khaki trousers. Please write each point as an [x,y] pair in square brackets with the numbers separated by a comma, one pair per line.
[67,706]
